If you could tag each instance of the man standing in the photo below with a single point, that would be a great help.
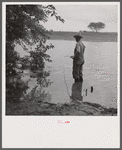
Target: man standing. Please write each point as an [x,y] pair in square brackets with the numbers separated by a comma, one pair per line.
[78,58]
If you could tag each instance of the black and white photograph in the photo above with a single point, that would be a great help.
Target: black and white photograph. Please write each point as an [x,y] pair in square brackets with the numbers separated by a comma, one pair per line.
[61,59]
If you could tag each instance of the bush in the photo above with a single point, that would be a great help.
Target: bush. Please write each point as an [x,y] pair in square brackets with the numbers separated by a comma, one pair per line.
[15,89]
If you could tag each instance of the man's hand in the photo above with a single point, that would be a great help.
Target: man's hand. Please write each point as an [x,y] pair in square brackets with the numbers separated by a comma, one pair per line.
[72,57]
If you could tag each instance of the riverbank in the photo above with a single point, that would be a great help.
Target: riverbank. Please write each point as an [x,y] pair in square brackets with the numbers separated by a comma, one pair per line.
[87,36]
[75,108]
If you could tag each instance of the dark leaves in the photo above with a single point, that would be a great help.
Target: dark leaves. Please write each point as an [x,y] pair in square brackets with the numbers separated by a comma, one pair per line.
[24,27]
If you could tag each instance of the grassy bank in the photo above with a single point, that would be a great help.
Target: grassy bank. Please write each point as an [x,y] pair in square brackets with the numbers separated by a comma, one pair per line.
[87,36]
[73,109]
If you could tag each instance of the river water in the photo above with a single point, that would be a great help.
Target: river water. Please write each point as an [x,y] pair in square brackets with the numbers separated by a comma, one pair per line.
[100,73]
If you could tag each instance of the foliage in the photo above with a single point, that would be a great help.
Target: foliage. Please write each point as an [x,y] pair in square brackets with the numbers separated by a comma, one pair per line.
[15,88]
[39,55]
[11,58]
[38,94]
[25,62]
[23,26]
[96,26]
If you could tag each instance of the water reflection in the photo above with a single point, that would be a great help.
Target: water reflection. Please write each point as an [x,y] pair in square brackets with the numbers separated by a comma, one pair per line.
[77,91]
[42,79]
[37,83]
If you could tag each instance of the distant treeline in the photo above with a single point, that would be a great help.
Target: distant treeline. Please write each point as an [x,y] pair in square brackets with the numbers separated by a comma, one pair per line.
[87,36]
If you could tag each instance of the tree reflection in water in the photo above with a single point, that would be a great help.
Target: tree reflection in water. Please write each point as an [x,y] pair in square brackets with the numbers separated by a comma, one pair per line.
[42,79]
[38,93]
[77,91]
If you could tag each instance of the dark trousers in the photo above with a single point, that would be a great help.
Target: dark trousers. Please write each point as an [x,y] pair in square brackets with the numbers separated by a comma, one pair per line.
[77,71]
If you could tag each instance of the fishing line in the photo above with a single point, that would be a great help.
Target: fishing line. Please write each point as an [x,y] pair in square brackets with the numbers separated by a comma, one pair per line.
[65,79]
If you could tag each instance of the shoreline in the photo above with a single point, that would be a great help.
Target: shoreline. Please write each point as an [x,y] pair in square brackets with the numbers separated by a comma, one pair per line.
[76,108]
[83,40]
[87,36]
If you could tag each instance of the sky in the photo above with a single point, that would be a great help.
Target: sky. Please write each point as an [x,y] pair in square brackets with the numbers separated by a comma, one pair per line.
[78,16]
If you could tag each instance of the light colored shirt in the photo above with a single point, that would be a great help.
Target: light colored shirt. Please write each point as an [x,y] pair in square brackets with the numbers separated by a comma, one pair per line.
[79,53]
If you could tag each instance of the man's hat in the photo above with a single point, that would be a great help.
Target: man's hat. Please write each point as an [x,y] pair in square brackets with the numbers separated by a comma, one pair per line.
[78,35]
